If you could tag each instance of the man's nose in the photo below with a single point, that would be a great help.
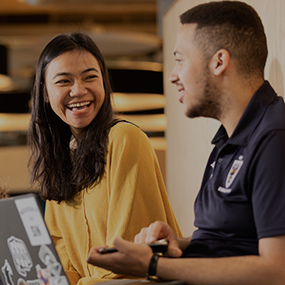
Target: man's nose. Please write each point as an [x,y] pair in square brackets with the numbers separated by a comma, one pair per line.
[173,76]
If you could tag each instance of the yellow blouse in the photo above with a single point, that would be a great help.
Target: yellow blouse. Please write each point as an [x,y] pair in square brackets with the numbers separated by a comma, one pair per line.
[130,196]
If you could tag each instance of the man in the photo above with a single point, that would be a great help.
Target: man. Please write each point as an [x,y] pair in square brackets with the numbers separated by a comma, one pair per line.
[220,56]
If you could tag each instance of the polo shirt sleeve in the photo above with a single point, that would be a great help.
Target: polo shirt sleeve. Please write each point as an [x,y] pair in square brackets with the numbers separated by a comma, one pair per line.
[267,181]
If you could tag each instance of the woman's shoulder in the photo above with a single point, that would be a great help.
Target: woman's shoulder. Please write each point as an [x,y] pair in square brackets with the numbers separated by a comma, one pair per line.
[124,130]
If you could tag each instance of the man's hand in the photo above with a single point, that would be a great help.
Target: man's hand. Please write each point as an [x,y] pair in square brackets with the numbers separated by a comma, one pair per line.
[131,259]
[160,230]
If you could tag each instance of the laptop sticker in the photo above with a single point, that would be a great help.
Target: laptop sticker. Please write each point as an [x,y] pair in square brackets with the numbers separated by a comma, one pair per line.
[21,281]
[7,271]
[58,280]
[20,254]
[51,274]
[47,257]
[46,277]
[33,221]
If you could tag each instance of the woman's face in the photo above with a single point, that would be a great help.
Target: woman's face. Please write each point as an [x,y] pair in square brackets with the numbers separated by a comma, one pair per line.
[75,88]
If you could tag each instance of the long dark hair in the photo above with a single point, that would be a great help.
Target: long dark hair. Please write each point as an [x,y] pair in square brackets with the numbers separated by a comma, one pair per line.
[60,173]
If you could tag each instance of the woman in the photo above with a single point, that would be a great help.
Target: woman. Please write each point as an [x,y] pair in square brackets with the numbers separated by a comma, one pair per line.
[100,176]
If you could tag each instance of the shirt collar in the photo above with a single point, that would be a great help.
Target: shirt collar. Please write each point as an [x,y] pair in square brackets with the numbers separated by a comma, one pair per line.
[252,115]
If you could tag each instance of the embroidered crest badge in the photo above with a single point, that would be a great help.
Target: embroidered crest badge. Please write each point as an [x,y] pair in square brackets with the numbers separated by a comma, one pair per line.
[236,166]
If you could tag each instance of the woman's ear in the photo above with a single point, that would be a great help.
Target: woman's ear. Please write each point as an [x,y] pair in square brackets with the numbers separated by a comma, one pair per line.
[219,62]
[46,98]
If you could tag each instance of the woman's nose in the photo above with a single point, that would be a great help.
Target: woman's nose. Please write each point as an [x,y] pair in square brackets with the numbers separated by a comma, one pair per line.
[78,89]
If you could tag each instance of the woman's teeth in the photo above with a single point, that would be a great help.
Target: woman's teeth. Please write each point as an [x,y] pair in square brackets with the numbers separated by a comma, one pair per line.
[78,105]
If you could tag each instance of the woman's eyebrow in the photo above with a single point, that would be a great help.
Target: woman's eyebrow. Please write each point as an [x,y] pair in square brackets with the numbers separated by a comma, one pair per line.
[90,69]
[61,74]
[68,74]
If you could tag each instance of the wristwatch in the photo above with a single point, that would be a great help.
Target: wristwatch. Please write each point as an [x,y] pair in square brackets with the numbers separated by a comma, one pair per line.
[151,275]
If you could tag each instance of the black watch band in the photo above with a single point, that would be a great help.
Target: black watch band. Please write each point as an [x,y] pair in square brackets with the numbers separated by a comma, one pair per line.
[152,267]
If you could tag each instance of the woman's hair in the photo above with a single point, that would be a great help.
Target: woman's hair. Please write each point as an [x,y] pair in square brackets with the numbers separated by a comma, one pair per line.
[60,174]
[3,193]
[234,26]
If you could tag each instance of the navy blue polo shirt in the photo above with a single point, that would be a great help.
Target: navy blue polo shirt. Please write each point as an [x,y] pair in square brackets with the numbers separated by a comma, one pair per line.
[242,195]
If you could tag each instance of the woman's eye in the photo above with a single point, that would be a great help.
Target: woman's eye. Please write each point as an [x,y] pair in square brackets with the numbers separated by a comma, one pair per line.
[91,76]
[62,81]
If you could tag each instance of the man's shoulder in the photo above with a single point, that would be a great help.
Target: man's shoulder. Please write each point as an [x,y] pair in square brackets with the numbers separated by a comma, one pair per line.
[274,116]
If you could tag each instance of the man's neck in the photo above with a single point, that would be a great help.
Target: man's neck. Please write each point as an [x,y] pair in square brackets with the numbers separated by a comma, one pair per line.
[238,97]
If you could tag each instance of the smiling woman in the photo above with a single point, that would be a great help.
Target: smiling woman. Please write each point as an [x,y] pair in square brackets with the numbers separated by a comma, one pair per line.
[75,88]
[99,175]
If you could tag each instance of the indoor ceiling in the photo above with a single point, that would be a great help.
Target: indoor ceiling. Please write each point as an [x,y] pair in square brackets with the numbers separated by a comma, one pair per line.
[123,29]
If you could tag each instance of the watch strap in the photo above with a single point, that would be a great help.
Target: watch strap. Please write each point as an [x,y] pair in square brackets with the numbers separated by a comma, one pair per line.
[152,267]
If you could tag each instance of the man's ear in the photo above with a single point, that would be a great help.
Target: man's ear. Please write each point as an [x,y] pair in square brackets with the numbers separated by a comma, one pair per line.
[219,62]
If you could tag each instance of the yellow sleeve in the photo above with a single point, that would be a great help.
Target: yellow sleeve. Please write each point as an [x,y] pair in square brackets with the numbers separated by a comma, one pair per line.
[137,194]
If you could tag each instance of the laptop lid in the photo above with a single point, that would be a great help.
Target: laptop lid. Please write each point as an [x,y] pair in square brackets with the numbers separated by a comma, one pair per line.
[27,253]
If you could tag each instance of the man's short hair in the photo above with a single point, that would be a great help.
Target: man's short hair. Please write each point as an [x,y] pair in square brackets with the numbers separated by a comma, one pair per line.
[234,26]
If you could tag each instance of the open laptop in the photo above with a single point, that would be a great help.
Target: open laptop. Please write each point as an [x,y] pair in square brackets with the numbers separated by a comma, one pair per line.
[27,253]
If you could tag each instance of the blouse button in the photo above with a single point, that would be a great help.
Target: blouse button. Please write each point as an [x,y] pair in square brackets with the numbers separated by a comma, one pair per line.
[220,160]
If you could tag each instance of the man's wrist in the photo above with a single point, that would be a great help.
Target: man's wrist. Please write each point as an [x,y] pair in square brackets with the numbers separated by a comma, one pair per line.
[151,275]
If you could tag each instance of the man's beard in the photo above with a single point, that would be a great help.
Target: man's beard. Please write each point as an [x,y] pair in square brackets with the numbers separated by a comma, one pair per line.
[209,104]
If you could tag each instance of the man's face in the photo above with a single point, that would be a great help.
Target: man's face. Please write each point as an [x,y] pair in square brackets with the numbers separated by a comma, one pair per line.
[198,92]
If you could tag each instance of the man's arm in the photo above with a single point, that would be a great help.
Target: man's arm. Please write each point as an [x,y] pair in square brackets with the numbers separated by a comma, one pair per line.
[133,259]
[267,268]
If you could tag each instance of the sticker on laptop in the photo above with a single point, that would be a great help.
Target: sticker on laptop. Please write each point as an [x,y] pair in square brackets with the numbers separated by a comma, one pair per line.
[20,254]
[7,272]
[46,278]
[21,281]
[33,221]
[51,274]
[48,258]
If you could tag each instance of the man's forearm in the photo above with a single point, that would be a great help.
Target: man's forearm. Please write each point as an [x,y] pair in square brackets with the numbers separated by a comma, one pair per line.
[226,270]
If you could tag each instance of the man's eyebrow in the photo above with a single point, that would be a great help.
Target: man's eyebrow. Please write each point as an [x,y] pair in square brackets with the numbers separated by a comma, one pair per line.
[68,74]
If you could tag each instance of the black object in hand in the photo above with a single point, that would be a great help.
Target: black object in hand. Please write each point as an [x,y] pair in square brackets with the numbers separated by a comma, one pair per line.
[157,246]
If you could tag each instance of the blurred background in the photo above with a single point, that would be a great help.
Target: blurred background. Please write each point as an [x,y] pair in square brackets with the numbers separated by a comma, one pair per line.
[129,34]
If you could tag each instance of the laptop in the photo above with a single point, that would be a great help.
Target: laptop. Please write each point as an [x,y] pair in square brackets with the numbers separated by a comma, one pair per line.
[27,253]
